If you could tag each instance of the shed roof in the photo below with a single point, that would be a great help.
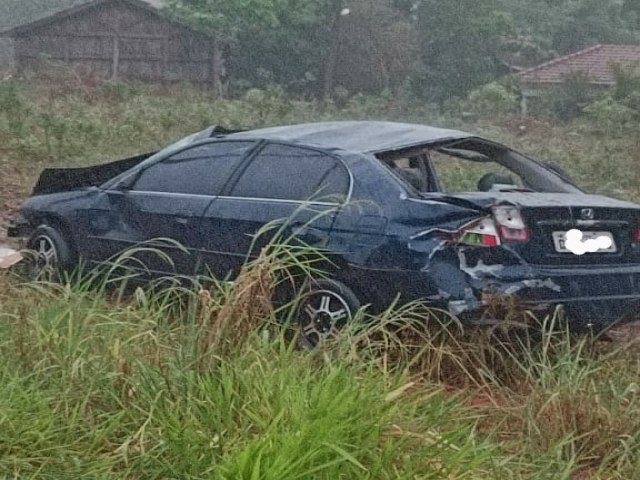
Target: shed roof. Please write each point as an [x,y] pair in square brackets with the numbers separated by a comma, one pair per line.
[357,136]
[59,12]
[596,62]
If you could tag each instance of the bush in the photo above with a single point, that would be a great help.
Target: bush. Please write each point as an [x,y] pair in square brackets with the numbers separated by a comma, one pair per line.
[568,100]
[491,99]
[608,114]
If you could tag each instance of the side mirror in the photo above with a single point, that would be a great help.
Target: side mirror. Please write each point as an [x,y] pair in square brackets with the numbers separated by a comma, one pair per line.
[120,189]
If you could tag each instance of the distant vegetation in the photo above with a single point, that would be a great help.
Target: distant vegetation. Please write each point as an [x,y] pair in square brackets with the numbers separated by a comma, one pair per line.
[429,49]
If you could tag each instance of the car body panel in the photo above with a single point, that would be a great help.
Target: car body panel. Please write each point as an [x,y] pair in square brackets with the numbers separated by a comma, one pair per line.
[53,180]
[236,222]
[357,136]
[116,220]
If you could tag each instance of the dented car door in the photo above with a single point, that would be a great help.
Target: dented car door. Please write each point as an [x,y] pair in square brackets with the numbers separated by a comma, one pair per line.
[162,205]
[295,190]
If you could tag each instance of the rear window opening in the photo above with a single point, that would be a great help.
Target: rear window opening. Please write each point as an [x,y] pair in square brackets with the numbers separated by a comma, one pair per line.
[473,166]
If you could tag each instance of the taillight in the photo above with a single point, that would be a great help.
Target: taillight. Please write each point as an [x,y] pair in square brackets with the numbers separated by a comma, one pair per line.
[636,236]
[483,233]
[511,225]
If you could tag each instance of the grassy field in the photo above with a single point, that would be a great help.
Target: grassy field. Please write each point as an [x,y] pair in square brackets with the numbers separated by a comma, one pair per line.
[199,383]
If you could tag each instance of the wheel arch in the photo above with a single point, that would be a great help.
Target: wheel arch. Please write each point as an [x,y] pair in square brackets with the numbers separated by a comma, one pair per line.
[58,223]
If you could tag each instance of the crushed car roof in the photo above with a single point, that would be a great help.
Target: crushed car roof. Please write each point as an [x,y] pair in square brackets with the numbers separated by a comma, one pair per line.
[357,136]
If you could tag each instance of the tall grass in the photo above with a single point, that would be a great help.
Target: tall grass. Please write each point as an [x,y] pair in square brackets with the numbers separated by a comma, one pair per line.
[202,381]
[97,387]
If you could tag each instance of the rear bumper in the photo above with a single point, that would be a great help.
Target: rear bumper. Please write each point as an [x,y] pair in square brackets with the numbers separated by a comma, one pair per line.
[595,296]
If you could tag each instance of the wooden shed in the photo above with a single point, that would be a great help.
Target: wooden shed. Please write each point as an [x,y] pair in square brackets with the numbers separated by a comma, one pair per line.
[119,39]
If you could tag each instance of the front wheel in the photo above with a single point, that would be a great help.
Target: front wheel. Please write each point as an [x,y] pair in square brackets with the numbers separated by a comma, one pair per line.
[51,254]
[325,307]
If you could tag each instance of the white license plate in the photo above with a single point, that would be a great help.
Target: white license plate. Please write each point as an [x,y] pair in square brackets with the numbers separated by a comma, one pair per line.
[560,238]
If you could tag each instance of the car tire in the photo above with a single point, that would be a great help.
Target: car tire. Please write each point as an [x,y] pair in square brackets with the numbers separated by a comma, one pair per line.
[52,254]
[324,307]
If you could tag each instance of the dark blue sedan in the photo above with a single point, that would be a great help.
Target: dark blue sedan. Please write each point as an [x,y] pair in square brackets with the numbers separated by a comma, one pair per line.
[409,210]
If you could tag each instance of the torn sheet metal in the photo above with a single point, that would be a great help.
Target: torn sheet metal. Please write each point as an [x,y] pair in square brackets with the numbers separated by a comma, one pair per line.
[54,180]
[9,257]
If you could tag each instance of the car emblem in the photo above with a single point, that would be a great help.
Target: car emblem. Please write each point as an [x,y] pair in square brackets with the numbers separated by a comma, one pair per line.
[587,214]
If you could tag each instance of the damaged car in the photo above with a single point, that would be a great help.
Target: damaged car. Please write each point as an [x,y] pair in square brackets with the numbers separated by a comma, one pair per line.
[408,211]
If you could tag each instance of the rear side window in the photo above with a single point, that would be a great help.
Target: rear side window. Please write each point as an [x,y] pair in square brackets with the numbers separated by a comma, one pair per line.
[293,173]
[201,170]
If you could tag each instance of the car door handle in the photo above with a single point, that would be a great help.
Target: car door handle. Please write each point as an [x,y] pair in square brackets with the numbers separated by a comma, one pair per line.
[183,217]
[309,233]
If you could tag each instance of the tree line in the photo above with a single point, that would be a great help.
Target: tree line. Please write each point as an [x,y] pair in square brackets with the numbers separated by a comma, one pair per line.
[435,49]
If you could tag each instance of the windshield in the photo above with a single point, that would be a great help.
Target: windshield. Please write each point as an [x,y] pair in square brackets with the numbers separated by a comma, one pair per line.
[161,154]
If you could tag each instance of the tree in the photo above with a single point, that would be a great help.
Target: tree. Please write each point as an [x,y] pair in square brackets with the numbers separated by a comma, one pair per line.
[589,22]
[318,46]
[376,48]
[459,45]
[225,19]
[565,26]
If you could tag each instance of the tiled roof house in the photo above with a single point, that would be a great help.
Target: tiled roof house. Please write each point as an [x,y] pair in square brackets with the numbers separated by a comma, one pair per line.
[597,63]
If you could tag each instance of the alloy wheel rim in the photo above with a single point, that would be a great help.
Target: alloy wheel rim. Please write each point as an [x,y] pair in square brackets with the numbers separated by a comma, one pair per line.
[322,314]
[46,256]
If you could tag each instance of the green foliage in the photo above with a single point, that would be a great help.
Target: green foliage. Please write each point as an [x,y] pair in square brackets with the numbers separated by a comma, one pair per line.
[568,100]
[627,89]
[590,22]
[459,43]
[566,26]
[226,18]
[446,49]
[268,104]
[14,116]
[197,383]
[609,114]
[492,99]
[42,126]
[620,108]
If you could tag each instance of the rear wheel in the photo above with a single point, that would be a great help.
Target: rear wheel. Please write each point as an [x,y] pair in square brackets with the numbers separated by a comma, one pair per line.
[325,308]
[51,254]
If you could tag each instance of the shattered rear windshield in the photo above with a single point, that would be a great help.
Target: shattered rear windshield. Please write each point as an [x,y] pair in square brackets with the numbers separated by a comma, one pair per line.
[462,175]
[473,166]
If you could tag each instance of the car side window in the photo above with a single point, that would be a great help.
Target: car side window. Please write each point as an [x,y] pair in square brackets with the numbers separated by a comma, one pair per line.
[201,170]
[293,173]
